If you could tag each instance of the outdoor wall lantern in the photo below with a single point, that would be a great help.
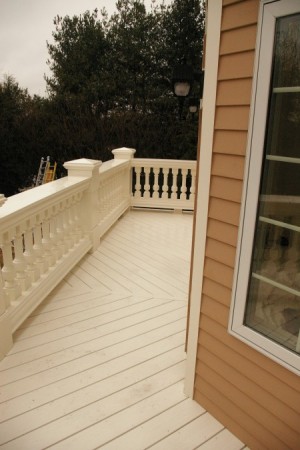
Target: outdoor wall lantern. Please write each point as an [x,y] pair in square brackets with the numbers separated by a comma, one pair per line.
[182,80]
[182,84]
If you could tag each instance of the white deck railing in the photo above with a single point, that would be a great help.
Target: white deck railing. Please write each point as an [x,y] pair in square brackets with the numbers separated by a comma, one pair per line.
[45,231]
[163,183]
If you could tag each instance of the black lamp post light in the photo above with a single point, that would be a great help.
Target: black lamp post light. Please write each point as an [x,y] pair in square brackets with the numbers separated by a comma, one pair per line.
[183,80]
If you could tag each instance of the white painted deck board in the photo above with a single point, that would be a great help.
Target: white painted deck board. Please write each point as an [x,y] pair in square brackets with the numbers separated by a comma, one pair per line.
[100,363]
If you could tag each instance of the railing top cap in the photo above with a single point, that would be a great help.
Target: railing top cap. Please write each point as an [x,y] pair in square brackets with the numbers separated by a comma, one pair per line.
[83,162]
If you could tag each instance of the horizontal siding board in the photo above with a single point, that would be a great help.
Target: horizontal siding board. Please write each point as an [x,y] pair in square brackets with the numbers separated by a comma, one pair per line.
[216,291]
[222,232]
[228,166]
[218,272]
[239,40]
[250,387]
[204,398]
[232,118]
[240,14]
[210,386]
[234,92]
[218,310]
[262,369]
[224,211]
[230,142]
[226,188]
[234,392]
[236,66]
[218,251]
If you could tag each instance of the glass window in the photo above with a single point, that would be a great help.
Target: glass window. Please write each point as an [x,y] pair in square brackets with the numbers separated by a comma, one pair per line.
[265,309]
[273,302]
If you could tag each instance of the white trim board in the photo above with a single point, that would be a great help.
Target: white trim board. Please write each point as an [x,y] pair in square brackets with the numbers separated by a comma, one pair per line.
[214,14]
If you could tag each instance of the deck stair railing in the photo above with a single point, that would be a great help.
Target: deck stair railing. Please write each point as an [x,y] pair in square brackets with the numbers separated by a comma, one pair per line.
[45,231]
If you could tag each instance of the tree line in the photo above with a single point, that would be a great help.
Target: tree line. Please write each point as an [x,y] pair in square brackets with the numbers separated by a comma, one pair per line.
[110,86]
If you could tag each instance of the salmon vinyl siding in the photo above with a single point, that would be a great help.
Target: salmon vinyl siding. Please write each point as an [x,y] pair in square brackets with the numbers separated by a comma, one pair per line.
[236,66]
[264,370]
[218,251]
[226,188]
[224,211]
[216,291]
[240,390]
[204,397]
[240,40]
[252,395]
[240,14]
[234,92]
[278,410]
[219,272]
[285,398]
[222,232]
[232,118]
[217,391]
[230,142]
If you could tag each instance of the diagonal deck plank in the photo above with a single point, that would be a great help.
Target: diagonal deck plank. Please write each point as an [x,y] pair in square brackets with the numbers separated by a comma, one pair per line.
[100,363]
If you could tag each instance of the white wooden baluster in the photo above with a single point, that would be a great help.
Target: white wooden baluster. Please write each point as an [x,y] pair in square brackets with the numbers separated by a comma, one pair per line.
[40,261]
[174,188]
[70,223]
[78,232]
[22,277]
[66,226]
[147,182]
[60,231]
[155,194]
[49,254]
[192,189]
[165,184]
[12,289]
[138,187]
[29,254]
[183,195]
[57,248]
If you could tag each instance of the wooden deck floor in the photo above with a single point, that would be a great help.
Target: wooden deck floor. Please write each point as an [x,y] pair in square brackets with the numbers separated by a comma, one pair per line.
[100,364]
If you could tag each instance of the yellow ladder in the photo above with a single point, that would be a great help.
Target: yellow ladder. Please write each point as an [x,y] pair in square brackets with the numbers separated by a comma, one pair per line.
[46,171]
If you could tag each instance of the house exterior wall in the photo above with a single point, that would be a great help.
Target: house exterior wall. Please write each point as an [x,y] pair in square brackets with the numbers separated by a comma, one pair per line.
[253,396]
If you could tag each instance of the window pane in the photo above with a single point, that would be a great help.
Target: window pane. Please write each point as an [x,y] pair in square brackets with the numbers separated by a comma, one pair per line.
[273,302]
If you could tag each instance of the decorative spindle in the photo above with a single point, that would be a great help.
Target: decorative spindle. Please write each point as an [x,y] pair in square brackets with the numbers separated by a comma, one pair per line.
[22,277]
[147,182]
[155,194]
[165,188]
[40,261]
[183,195]
[11,287]
[29,255]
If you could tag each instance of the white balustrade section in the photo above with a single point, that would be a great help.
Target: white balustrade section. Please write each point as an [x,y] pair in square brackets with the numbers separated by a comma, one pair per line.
[45,231]
[163,183]
[32,262]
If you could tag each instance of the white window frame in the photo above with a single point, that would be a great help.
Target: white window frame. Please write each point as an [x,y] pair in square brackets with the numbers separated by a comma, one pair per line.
[269,12]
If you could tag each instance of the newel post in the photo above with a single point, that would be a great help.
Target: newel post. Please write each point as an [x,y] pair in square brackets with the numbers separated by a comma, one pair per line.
[126,154]
[89,205]
[6,340]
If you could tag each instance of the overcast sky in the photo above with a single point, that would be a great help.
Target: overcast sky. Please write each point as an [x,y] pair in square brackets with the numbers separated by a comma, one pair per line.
[26,25]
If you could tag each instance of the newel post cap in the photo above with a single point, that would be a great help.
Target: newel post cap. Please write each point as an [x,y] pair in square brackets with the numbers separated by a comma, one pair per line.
[82,167]
[123,153]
